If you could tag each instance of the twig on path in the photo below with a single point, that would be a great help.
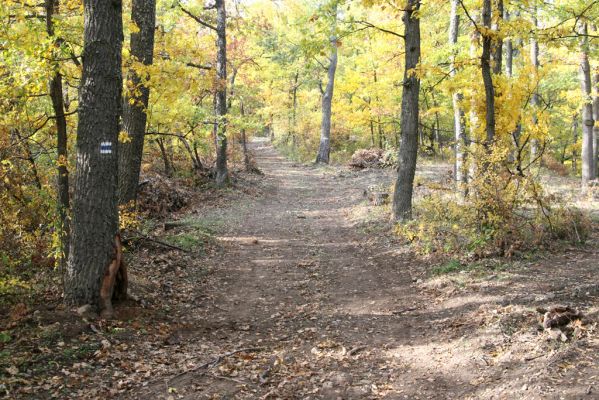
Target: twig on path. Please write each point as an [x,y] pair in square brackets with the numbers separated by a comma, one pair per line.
[405,310]
[157,241]
[215,362]
[533,357]
[355,350]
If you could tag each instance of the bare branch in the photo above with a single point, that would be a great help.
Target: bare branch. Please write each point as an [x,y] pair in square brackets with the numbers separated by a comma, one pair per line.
[197,19]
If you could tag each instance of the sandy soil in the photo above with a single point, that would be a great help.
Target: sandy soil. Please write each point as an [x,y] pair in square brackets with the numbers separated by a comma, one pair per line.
[327,305]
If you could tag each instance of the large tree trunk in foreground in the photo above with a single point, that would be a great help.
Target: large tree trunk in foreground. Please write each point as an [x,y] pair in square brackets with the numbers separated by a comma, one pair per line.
[95,215]
[408,150]
[222,172]
[56,95]
[588,123]
[461,175]
[324,149]
[135,104]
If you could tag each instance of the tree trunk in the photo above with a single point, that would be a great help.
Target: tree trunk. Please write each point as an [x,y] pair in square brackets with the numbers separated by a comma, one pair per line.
[95,213]
[381,132]
[460,174]
[246,156]
[588,123]
[324,150]
[509,51]
[372,140]
[29,157]
[135,103]
[408,151]
[222,172]
[534,100]
[574,140]
[293,126]
[56,95]
[168,168]
[473,117]
[498,45]
[515,153]
[596,118]
[485,64]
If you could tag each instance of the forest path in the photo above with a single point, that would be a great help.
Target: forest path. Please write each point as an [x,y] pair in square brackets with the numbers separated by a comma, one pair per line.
[329,306]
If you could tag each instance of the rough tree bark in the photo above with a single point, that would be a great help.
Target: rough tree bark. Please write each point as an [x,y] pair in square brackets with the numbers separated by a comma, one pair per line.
[324,148]
[588,123]
[95,214]
[222,172]
[408,150]
[56,95]
[135,103]
[459,125]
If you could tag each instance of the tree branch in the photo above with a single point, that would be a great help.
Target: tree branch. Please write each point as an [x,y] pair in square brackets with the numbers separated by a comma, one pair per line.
[370,25]
[199,66]
[197,19]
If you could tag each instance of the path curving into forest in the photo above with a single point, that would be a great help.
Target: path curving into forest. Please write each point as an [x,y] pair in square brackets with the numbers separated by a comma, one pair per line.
[311,297]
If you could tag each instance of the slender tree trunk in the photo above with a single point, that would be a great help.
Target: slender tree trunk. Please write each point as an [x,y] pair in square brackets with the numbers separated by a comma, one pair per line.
[168,168]
[29,157]
[293,127]
[246,156]
[135,104]
[498,43]
[588,123]
[56,95]
[222,172]
[509,71]
[408,150]
[372,140]
[95,213]
[473,117]
[534,100]
[596,119]
[485,62]
[459,126]
[324,149]
[381,132]
[509,50]
[574,141]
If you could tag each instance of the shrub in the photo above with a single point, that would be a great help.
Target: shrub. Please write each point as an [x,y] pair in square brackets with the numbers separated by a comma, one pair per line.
[504,213]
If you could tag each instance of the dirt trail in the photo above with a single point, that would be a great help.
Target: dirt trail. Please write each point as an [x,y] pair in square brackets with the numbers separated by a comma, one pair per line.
[328,306]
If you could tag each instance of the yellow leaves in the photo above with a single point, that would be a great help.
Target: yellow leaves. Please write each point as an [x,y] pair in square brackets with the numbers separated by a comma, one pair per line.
[133,28]
[128,216]
[124,137]
[6,164]
[62,161]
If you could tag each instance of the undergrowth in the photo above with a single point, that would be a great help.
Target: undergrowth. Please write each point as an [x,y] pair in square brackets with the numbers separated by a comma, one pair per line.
[504,214]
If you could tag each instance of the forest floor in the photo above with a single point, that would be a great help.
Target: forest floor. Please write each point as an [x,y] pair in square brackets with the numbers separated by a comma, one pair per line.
[294,287]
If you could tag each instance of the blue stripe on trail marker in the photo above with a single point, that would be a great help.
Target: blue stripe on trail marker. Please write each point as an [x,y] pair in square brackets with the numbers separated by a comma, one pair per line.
[105,147]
